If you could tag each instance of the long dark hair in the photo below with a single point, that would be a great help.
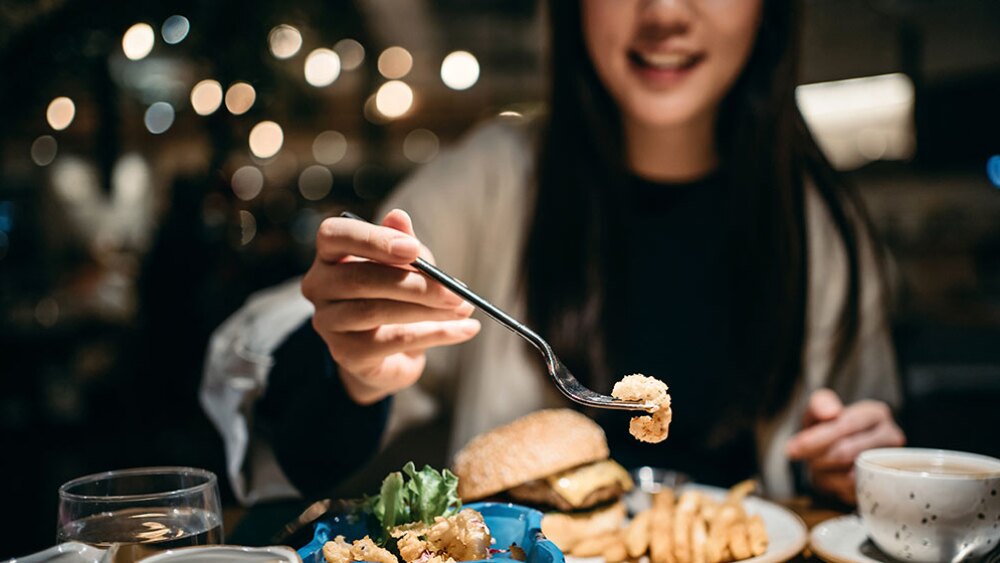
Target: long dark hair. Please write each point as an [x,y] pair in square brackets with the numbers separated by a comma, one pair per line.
[766,153]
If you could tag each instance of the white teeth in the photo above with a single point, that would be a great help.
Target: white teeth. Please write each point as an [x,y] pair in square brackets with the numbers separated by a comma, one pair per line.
[666,61]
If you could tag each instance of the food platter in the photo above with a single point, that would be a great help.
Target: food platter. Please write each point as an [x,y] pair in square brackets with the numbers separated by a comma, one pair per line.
[786,531]
[509,524]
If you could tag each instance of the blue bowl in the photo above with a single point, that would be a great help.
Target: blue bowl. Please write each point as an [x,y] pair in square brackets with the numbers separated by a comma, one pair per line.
[508,523]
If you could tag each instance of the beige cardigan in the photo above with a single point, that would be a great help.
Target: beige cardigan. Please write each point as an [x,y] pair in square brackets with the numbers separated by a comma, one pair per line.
[470,206]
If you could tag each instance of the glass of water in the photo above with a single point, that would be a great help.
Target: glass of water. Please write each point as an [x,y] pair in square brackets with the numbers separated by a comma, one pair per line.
[141,511]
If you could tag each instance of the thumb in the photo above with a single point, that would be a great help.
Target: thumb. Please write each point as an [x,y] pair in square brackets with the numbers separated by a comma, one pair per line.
[824,405]
[399,220]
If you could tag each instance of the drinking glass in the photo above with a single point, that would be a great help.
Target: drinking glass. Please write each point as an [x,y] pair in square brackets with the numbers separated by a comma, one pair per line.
[141,511]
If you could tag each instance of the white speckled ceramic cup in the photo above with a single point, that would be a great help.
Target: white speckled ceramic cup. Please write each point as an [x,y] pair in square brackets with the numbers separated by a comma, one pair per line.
[929,505]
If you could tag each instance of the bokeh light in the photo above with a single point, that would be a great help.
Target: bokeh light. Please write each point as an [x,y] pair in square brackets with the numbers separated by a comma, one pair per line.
[240,98]
[395,62]
[206,97]
[159,117]
[993,169]
[43,150]
[315,182]
[322,67]
[175,29]
[247,182]
[284,41]
[351,53]
[394,99]
[60,113]
[329,147]
[266,139]
[459,70]
[138,41]
[248,227]
[421,145]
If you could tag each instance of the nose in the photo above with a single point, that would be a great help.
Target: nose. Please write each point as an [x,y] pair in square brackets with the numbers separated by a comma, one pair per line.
[666,17]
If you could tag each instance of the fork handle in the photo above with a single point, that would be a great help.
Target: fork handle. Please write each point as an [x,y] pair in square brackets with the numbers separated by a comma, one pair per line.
[456,286]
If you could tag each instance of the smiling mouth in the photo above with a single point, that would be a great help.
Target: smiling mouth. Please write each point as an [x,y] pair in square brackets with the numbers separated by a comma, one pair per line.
[664,61]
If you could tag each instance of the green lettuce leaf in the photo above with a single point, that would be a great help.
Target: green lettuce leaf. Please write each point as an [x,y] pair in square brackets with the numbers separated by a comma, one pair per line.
[420,496]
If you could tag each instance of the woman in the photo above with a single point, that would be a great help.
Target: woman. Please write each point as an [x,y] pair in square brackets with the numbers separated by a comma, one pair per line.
[671,215]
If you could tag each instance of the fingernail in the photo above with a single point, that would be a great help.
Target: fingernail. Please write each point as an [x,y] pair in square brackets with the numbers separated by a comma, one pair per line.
[471,326]
[404,247]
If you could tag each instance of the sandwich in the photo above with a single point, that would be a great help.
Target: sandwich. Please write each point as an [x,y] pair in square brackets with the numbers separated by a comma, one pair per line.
[555,460]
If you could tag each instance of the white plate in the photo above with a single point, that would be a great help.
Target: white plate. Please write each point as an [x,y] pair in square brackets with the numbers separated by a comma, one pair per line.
[844,540]
[786,532]
[69,552]
[74,552]
[226,554]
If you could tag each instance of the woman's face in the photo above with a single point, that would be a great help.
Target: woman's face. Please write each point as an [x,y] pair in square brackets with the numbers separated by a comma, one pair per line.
[669,62]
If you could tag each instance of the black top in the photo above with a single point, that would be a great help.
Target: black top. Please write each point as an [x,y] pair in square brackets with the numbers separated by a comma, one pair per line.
[670,319]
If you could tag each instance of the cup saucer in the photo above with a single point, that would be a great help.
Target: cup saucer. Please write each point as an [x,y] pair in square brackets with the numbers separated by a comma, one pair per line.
[844,540]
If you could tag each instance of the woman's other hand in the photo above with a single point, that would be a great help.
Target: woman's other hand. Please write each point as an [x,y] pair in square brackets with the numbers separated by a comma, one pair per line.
[376,313]
[833,435]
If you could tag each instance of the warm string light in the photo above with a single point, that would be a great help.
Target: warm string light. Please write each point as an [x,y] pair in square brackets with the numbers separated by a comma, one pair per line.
[284,41]
[247,182]
[329,147]
[60,113]
[395,63]
[138,41]
[322,67]
[266,139]
[393,99]
[315,182]
[351,53]
[206,97]
[240,98]
[459,70]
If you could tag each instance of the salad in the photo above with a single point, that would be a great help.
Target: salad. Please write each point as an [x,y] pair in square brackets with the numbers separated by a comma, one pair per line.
[417,517]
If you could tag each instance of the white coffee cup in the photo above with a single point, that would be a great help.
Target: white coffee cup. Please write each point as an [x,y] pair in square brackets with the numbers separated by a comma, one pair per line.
[929,505]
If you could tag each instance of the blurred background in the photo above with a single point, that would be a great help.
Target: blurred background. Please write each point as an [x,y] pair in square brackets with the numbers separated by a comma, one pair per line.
[161,161]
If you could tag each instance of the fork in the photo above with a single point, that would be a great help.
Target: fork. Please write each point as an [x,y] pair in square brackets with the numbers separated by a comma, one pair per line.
[560,374]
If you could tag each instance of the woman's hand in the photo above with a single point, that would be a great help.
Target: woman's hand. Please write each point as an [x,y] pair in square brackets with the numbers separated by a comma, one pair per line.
[833,435]
[377,314]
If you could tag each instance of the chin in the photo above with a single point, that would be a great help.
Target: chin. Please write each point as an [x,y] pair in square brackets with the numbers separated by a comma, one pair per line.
[664,113]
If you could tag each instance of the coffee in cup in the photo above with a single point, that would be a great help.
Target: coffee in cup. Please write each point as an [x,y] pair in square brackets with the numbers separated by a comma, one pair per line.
[929,505]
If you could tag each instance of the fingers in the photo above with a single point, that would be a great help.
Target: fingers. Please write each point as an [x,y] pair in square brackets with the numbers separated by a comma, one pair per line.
[360,351]
[357,315]
[369,280]
[816,439]
[842,454]
[824,404]
[340,237]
